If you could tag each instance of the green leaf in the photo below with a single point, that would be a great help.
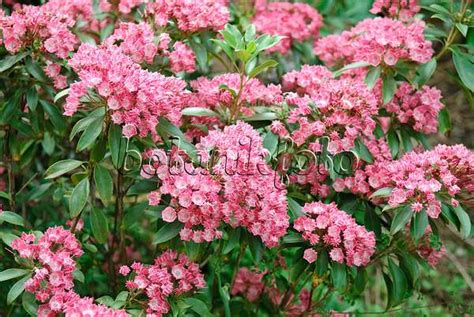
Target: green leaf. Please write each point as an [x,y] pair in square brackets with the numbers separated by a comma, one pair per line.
[372,76]
[198,306]
[322,263]
[61,94]
[338,275]
[401,219]
[48,143]
[389,88]
[444,121]
[464,220]
[425,72]
[393,143]
[266,116]
[32,98]
[91,133]
[5,195]
[54,115]
[167,232]
[363,151]
[418,225]
[463,28]
[199,112]
[79,197]
[62,167]
[79,276]
[35,70]
[349,67]
[270,142]
[117,145]
[382,192]
[99,225]
[234,240]
[360,281]
[465,68]
[294,208]
[11,60]
[169,131]
[82,124]
[262,67]
[17,289]
[400,285]
[104,183]
[266,41]
[12,273]
[11,217]
[250,32]
[28,301]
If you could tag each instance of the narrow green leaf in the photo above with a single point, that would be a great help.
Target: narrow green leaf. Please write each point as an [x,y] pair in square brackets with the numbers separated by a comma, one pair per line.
[270,142]
[117,145]
[464,220]
[349,67]
[363,151]
[234,240]
[62,167]
[400,285]
[11,60]
[12,273]
[17,289]
[32,98]
[91,133]
[388,89]
[393,143]
[11,217]
[465,68]
[61,94]
[28,301]
[338,275]
[99,225]
[263,67]
[199,112]
[425,72]
[198,306]
[372,76]
[79,197]
[463,28]
[104,183]
[444,121]
[382,192]
[167,232]
[401,219]
[419,224]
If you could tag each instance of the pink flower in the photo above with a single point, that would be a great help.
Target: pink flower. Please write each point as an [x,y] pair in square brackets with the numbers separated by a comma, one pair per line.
[124,270]
[401,9]
[182,58]
[310,255]
[293,21]
[249,284]
[168,214]
[346,241]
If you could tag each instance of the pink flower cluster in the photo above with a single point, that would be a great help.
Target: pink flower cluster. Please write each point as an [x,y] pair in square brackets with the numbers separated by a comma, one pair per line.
[376,41]
[182,58]
[209,93]
[38,27]
[340,109]
[123,6]
[238,187]
[136,98]
[53,256]
[171,274]
[253,193]
[53,71]
[249,284]
[418,107]
[417,178]
[77,307]
[403,10]
[135,40]
[190,16]
[195,203]
[295,21]
[329,227]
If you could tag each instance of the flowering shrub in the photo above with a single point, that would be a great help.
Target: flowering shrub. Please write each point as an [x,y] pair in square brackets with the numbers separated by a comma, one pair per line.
[220,158]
